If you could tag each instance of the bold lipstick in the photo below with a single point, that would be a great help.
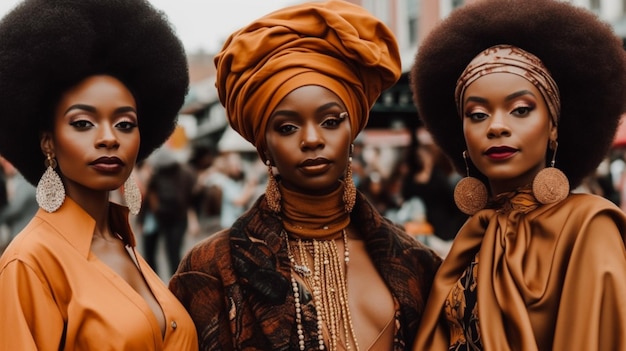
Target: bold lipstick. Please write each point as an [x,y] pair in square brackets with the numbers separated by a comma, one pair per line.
[107,164]
[500,152]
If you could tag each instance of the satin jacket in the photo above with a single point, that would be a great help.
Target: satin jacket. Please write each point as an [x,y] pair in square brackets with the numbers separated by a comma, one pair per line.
[550,277]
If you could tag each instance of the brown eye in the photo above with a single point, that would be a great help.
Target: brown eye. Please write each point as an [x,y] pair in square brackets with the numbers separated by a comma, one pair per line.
[286,129]
[335,120]
[523,111]
[126,126]
[476,116]
[81,124]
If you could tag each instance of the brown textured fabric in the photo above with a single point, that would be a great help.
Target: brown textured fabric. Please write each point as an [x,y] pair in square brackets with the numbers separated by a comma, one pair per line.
[334,44]
[551,277]
[244,296]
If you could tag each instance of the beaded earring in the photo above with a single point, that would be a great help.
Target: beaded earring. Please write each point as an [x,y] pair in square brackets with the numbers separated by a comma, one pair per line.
[349,189]
[272,192]
[132,195]
[50,192]
[550,184]
[470,194]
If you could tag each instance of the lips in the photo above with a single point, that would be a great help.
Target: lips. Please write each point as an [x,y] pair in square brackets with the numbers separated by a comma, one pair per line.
[314,166]
[500,152]
[314,162]
[107,164]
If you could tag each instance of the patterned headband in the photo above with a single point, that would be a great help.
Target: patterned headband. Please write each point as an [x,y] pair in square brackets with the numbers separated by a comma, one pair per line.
[511,59]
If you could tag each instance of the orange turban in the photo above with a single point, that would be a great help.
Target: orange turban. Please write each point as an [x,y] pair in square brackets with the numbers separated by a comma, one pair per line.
[334,44]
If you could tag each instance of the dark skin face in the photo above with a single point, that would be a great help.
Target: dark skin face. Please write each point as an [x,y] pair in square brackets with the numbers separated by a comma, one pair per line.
[95,137]
[308,140]
[507,128]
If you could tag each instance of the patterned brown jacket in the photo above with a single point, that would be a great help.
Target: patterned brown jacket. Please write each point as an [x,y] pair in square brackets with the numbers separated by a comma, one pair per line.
[236,283]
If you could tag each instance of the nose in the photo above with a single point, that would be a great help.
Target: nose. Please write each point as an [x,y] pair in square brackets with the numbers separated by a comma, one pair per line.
[106,137]
[311,137]
[498,126]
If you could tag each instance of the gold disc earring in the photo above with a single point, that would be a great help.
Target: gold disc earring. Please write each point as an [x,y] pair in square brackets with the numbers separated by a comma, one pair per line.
[550,184]
[470,194]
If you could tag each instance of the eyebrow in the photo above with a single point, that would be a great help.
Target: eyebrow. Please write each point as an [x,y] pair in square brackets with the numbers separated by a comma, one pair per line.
[507,98]
[90,108]
[319,109]
[518,94]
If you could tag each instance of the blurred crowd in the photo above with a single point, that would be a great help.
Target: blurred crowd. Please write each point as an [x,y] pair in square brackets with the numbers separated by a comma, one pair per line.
[192,192]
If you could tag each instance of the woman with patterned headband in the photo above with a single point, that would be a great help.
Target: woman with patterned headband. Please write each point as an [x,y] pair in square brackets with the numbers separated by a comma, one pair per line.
[524,96]
[312,266]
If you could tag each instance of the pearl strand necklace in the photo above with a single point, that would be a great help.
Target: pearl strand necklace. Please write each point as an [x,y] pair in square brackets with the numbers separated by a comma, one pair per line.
[327,280]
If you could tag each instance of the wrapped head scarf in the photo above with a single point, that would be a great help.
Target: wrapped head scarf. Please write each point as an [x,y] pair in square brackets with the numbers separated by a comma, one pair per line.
[333,44]
[511,59]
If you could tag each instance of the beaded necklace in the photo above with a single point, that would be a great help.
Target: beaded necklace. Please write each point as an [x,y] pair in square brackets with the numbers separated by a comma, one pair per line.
[330,290]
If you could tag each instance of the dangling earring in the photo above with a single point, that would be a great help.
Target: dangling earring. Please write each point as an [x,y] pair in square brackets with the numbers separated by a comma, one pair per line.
[470,194]
[550,184]
[132,195]
[272,192]
[349,189]
[50,192]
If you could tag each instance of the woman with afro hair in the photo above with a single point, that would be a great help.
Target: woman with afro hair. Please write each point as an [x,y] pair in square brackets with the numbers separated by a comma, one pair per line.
[524,96]
[87,89]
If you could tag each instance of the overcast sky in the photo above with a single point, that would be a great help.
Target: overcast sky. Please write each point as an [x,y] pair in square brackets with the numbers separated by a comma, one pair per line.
[203,24]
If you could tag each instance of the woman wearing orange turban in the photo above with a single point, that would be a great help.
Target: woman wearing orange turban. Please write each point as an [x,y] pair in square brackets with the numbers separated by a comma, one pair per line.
[311,265]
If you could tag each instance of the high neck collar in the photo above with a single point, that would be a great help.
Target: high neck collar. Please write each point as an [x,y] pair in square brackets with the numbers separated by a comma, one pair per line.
[521,200]
[314,216]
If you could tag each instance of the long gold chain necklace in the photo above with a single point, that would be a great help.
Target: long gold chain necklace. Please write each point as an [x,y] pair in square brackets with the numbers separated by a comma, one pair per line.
[330,290]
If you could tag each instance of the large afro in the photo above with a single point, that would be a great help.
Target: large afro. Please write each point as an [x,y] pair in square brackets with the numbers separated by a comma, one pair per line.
[48,46]
[585,58]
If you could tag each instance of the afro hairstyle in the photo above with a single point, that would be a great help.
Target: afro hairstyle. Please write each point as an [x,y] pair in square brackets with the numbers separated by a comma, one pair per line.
[585,58]
[49,46]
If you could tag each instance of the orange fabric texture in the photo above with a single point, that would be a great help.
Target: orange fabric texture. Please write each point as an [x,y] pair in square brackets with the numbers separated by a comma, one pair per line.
[334,44]
[53,288]
[550,277]
[319,217]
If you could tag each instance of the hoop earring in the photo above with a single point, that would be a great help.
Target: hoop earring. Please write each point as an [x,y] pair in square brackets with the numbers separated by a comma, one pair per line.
[272,192]
[50,192]
[550,184]
[349,189]
[132,195]
[470,194]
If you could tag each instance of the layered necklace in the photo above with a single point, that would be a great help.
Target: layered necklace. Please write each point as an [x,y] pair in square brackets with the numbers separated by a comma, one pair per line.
[315,258]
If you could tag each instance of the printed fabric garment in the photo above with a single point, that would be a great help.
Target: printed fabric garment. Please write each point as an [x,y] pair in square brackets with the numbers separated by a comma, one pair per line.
[461,311]
[236,284]
[552,277]
[57,295]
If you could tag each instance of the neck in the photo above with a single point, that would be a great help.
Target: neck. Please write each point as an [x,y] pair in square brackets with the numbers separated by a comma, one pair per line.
[314,217]
[97,206]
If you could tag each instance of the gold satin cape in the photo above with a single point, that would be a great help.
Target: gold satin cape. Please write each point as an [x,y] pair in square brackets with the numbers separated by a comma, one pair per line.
[550,277]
